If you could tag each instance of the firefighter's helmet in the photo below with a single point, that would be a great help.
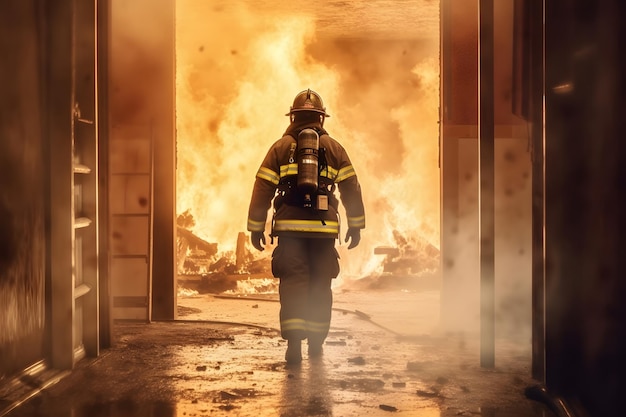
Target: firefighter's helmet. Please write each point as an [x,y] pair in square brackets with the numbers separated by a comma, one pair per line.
[308,100]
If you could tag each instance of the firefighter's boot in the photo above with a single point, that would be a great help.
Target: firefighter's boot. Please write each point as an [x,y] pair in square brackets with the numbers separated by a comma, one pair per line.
[315,348]
[294,351]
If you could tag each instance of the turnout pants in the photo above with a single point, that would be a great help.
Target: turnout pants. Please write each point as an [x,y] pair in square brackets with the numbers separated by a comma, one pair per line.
[305,267]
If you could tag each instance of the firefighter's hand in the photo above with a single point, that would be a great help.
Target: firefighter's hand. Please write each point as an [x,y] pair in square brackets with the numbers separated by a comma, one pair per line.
[258,240]
[354,236]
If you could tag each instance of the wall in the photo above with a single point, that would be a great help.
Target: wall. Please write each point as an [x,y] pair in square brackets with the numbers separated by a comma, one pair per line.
[579,180]
[22,168]
[460,178]
[141,106]
[585,184]
[49,257]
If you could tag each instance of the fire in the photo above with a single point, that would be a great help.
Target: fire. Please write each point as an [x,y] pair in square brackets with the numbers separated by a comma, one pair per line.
[237,73]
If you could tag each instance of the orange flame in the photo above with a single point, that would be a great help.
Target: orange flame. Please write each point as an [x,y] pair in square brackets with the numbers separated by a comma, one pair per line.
[237,74]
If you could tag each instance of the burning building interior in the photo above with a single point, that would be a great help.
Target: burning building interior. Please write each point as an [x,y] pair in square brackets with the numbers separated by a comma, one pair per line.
[381,82]
[244,92]
[410,264]
[485,135]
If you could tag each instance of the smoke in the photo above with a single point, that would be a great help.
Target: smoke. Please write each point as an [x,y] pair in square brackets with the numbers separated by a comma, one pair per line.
[135,64]
[238,70]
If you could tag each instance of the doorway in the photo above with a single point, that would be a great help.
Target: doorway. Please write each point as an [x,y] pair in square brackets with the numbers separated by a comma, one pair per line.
[239,66]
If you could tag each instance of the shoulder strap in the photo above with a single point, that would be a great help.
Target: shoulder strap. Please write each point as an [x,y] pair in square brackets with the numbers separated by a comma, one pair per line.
[292,151]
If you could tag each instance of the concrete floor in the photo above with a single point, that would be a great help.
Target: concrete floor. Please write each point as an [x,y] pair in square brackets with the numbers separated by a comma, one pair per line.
[225,357]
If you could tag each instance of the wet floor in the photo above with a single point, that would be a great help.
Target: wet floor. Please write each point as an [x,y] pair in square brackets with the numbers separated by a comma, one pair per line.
[225,358]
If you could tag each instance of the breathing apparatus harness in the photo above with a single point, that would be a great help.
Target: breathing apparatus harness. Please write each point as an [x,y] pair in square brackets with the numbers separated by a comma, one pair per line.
[309,188]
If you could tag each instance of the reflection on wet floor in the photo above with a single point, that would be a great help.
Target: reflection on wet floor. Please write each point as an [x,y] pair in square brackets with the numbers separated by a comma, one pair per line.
[203,368]
[127,408]
[305,390]
[312,403]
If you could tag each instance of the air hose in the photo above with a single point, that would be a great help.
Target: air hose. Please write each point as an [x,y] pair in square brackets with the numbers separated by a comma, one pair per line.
[229,323]
[359,314]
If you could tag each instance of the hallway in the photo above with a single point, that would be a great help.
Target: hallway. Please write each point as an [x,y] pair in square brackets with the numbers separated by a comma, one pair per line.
[197,367]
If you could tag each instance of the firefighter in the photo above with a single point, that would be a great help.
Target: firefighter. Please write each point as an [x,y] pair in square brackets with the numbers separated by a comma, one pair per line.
[298,176]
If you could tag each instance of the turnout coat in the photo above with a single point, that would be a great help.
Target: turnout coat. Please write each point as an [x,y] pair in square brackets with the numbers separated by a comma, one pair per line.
[276,176]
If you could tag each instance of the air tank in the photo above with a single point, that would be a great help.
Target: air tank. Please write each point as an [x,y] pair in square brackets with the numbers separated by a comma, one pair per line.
[308,162]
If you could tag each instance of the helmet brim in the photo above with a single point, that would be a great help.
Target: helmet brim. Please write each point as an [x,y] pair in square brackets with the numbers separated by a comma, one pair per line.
[308,110]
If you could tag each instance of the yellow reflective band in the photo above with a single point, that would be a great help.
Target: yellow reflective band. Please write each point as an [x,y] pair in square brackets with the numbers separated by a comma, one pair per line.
[293,324]
[291,169]
[317,327]
[329,172]
[268,175]
[256,226]
[331,226]
[345,173]
[357,222]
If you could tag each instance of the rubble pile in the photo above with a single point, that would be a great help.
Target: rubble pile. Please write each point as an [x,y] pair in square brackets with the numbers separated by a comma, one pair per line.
[202,267]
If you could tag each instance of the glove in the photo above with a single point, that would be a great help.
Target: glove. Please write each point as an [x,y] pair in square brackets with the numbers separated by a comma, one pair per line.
[354,235]
[258,240]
